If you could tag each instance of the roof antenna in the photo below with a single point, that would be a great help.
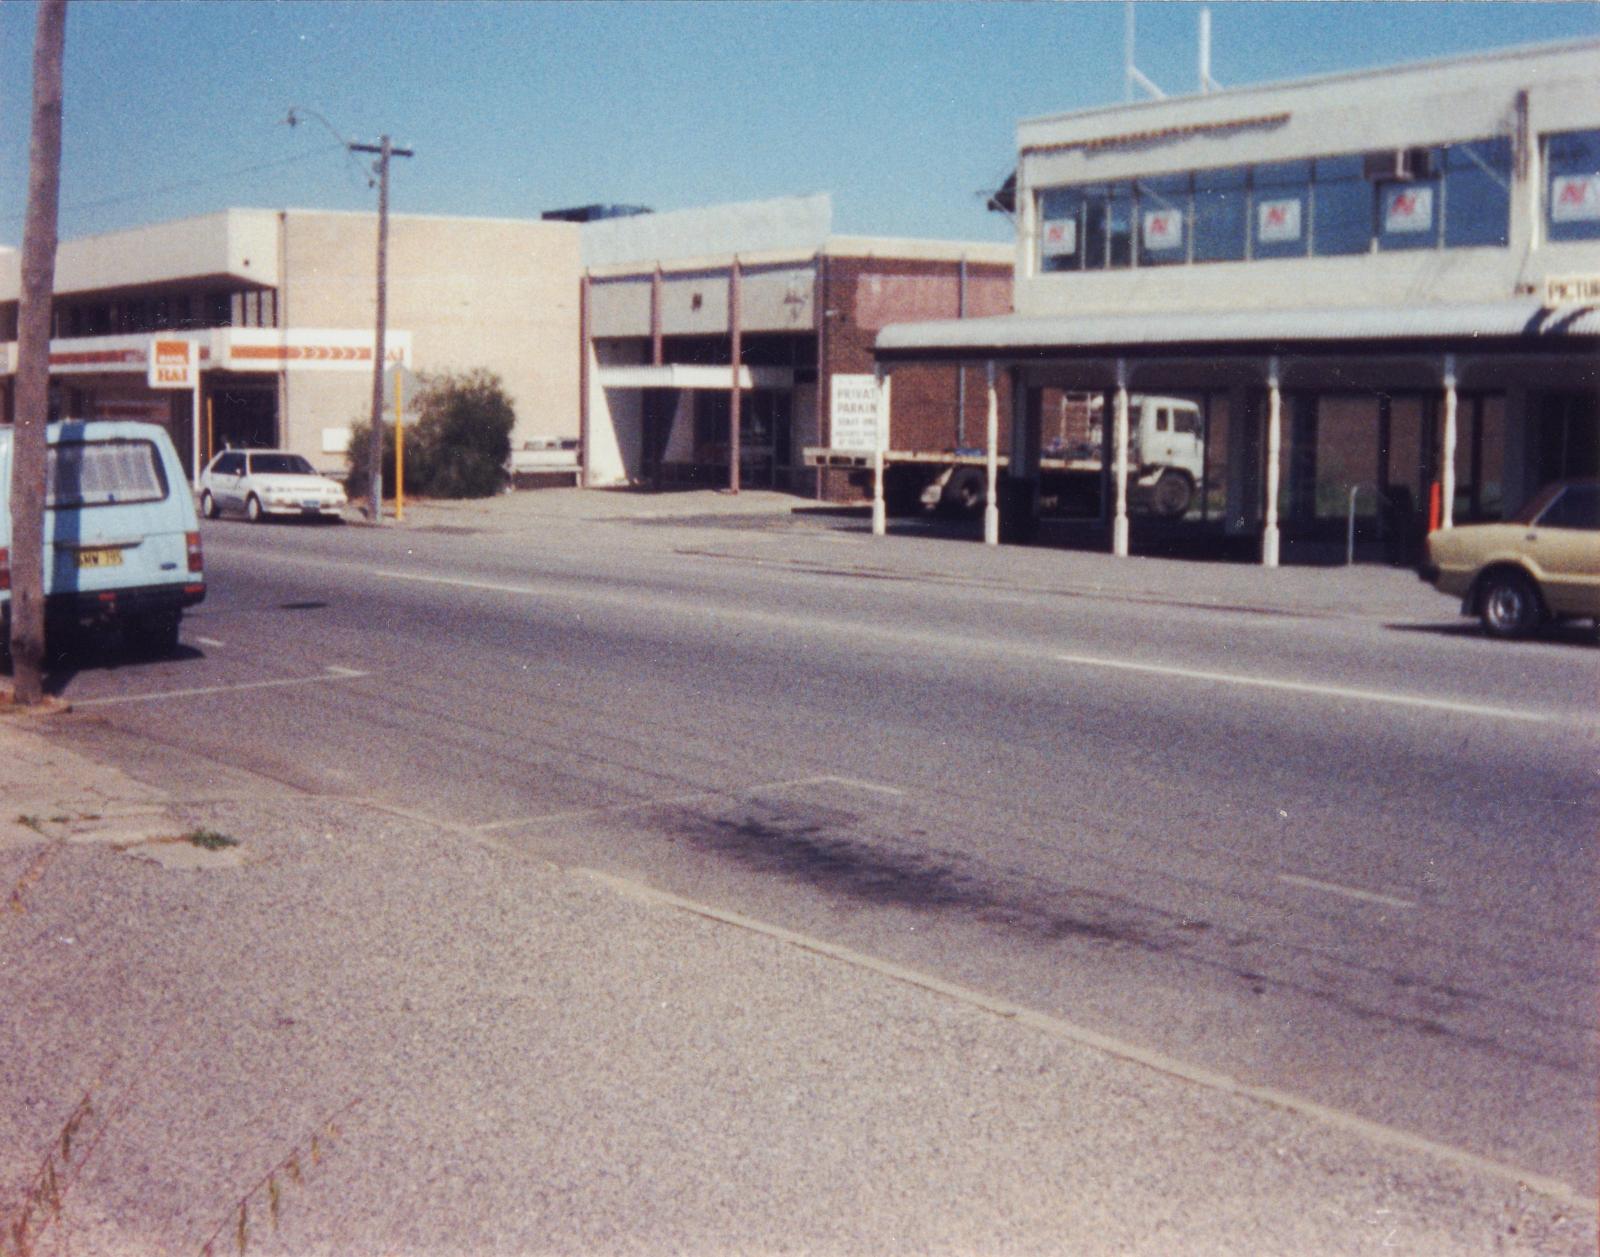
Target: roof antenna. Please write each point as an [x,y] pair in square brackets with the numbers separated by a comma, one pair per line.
[1132,76]
[1207,83]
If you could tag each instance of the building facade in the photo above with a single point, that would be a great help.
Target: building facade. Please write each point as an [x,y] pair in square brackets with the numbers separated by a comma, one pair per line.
[672,301]
[1379,287]
[281,306]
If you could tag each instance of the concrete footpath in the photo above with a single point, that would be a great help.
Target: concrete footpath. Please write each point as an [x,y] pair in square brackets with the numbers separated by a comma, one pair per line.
[316,1026]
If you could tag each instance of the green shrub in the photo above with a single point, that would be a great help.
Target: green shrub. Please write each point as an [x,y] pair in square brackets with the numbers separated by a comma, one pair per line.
[459,445]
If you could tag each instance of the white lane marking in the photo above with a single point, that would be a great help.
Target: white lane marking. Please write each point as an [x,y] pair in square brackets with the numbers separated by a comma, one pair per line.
[210,641]
[641,805]
[1307,687]
[332,674]
[1350,892]
[1377,1132]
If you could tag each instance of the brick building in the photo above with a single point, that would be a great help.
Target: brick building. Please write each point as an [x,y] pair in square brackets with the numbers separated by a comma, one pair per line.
[672,300]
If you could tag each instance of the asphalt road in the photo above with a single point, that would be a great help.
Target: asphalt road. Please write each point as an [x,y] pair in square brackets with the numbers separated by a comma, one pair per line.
[1343,857]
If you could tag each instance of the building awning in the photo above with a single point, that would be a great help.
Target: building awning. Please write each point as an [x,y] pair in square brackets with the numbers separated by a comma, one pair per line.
[1501,327]
[694,377]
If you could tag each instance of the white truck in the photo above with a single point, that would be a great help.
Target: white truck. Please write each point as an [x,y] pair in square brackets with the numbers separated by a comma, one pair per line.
[1166,457]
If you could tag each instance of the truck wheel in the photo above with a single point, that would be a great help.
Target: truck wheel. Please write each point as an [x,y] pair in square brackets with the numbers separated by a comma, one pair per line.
[967,492]
[1508,604]
[1172,494]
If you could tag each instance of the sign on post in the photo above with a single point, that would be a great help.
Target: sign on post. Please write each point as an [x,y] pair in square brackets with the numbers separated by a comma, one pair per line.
[175,363]
[854,415]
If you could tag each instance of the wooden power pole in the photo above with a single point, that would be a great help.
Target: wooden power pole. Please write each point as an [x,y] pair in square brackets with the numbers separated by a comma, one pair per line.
[28,447]
[385,150]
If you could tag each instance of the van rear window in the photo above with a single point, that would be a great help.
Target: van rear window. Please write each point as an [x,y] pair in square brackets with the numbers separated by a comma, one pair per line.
[103,473]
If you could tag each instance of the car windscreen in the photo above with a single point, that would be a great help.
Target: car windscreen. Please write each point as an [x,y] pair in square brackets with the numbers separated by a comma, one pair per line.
[280,465]
[103,473]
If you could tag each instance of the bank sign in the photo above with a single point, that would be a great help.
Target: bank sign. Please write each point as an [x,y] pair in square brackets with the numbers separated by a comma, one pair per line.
[173,363]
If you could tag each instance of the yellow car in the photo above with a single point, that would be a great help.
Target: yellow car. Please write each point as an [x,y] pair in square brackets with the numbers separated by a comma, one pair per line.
[1542,564]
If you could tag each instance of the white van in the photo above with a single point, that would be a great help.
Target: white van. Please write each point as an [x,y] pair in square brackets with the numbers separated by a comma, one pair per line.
[121,540]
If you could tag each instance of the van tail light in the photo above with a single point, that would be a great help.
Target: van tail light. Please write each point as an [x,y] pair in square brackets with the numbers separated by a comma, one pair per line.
[196,562]
[5,568]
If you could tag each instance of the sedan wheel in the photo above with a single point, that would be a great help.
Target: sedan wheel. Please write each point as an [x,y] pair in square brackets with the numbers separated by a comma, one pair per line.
[252,509]
[1509,605]
[208,505]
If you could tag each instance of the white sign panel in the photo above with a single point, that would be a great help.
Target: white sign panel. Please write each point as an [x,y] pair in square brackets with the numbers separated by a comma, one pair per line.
[853,414]
[1278,222]
[1575,199]
[173,363]
[1163,230]
[1060,238]
[1408,209]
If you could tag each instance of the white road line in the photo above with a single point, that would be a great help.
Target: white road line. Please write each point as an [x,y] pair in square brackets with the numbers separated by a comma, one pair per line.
[210,641]
[332,674]
[1323,691]
[1350,892]
[1379,1133]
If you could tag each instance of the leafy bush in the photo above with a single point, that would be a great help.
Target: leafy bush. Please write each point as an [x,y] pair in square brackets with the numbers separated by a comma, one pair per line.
[459,445]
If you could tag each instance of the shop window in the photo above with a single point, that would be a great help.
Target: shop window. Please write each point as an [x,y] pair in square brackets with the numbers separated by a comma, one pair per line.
[1281,195]
[1163,219]
[1221,215]
[1572,188]
[1477,193]
[1341,216]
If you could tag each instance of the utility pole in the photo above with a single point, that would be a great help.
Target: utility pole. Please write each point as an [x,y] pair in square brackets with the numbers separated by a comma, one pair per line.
[28,443]
[385,150]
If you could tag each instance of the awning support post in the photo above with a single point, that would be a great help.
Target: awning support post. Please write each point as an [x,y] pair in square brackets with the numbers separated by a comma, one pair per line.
[991,502]
[880,513]
[1269,530]
[736,353]
[1119,476]
[1447,456]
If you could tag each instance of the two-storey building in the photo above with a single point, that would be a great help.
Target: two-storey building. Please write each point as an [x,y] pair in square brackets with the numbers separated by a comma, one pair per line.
[1379,286]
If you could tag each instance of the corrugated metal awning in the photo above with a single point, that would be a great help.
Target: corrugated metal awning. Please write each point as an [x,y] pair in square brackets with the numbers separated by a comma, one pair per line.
[1504,327]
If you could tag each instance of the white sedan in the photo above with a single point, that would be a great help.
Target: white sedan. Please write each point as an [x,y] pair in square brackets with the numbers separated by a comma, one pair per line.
[258,483]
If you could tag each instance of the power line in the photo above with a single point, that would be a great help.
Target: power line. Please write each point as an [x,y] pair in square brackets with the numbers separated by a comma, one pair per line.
[124,198]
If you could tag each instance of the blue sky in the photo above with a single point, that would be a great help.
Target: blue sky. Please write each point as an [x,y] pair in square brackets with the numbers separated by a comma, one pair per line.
[904,111]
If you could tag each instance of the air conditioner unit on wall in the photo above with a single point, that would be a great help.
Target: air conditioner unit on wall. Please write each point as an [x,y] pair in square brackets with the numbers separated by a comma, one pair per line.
[1399,163]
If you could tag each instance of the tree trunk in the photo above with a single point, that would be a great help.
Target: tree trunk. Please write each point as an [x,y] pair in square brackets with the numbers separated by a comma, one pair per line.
[33,358]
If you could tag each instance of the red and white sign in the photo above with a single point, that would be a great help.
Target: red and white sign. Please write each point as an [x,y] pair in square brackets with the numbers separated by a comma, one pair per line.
[1060,238]
[1278,222]
[1408,209]
[1575,198]
[173,363]
[1163,230]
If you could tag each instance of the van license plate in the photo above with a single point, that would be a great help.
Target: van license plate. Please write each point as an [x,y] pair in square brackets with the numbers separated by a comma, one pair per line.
[100,556]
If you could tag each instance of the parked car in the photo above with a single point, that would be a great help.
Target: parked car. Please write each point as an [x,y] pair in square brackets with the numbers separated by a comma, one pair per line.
[121,541]
[258,483]
[1542,564]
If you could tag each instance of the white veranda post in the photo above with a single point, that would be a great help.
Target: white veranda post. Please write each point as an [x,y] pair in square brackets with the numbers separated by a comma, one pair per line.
[1269,533]
[1447,456]
[1119,464]
[991,502]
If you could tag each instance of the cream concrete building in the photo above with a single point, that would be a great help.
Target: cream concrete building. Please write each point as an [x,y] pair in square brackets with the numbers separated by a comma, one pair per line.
[281,305]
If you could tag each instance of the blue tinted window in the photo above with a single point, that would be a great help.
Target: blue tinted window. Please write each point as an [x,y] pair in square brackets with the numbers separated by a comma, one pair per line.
[1061,230]
[1341,208]
[1572,187]
[1477,193]
[1279,219]
[1162,220]
[1408,214]
[1221,215]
